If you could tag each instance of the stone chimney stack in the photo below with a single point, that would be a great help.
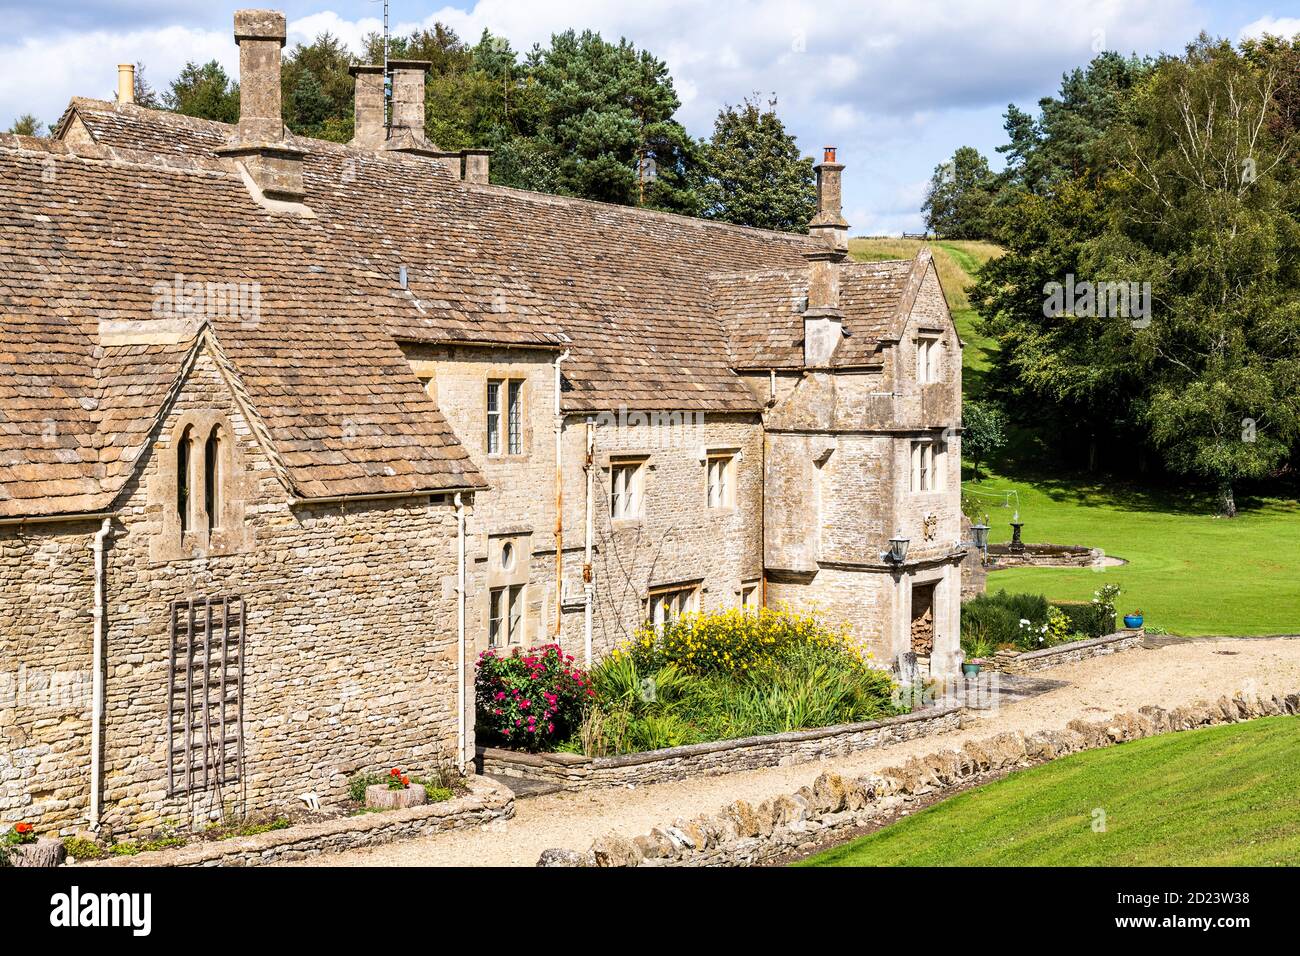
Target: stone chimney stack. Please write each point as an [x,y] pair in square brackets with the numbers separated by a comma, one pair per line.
[274,163]
[125,83]
[476,164]
[260,35]
[823,321]
[369,127]
[829,224]
[408,96]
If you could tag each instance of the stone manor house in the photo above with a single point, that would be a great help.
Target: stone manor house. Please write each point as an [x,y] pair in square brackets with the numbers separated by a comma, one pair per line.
[291,431]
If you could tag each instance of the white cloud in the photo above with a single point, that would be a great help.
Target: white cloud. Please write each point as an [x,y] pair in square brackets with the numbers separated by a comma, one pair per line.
[1273,26]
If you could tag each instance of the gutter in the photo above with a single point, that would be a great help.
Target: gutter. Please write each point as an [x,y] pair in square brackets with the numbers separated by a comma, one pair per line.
[99,547]
[298,502]
[57,519]
[559,500]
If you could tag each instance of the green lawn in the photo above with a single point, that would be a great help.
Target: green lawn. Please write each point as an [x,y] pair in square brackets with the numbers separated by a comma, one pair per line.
[1190,572]
[1223,796]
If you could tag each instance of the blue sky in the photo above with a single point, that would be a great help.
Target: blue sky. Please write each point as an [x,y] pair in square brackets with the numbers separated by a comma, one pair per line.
[897,85]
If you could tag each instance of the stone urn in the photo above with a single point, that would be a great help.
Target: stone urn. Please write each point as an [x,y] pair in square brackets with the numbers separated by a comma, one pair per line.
[379,797]
[46,851]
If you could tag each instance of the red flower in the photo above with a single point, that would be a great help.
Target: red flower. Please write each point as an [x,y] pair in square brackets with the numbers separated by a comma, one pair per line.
[22,828]
[394,772]
[406,781]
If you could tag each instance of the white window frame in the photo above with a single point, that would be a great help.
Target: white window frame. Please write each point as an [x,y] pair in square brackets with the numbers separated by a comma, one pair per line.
[721,480]
[504,421]
[669,603]
[928,346]
[626,489]
[506,615]
[926,461]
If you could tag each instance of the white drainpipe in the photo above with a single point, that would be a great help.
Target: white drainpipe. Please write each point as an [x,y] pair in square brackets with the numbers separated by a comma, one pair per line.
[97,673]
[588,579]
[460,631]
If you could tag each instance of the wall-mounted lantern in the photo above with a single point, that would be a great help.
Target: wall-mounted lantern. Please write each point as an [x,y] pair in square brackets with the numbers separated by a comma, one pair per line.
[897,552]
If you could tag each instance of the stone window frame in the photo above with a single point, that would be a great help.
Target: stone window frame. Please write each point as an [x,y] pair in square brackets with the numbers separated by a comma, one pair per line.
[922,480]
[509,613]
[226,532]
[751,594]
[636,466]
[510,430]
[929,356]
[726,460]
[685,595]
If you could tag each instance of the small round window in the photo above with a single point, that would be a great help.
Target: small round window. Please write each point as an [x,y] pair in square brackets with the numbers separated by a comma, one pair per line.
[508,556]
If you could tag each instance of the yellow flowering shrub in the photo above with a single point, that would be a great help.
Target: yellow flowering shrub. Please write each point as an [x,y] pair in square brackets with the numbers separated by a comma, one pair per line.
[735,641]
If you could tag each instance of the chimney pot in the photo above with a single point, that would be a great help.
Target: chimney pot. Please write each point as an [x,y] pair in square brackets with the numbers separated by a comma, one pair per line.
[125,83]
[829,154]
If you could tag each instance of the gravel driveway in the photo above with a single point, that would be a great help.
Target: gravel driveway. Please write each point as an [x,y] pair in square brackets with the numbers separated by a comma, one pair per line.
[1166,676]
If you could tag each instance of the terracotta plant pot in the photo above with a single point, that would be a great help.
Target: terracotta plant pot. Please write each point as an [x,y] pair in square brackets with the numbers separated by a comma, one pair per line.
[379,797]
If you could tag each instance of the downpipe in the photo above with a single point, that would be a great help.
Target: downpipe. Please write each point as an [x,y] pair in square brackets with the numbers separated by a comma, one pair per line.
[100,547]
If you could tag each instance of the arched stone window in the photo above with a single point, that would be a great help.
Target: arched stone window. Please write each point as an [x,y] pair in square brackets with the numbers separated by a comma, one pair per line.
[201,484]
[212,478]
[184,469]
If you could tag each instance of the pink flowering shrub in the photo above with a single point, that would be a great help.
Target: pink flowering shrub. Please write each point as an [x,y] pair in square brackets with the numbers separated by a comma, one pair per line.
[529,700]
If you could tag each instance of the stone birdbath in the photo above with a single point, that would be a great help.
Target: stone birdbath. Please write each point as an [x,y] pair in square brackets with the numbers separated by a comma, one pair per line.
[396,794]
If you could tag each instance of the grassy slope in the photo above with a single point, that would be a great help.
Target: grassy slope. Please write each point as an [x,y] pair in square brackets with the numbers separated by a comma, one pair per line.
[1219,796]
[1190,572]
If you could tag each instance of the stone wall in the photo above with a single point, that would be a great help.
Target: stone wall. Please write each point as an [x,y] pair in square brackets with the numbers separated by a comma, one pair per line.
[741,834]
[575,772]
[679,540]
[1070,652]
[1045,556]
[351,640]
[486,803]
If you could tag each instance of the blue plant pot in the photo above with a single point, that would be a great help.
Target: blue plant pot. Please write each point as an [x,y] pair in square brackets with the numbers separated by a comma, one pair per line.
[1132,621]
[970,669]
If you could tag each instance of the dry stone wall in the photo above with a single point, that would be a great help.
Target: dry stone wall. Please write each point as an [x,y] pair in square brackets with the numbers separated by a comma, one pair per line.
[741,834]
[575,772]
[485,804]
[1069,653]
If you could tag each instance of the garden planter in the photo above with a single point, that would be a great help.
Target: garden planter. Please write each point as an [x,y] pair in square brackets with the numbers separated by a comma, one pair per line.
[379,797]
[970,670]
[47,851]
[1133,621]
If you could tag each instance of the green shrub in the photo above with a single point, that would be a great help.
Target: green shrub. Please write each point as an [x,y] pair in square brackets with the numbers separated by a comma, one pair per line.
[810,677]
[995,618]
[358,782]
[529,699]
[1089,618]
[81,848]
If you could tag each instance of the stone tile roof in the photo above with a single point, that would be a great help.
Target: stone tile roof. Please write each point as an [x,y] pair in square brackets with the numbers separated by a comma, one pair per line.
[763,312]
[96,226]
